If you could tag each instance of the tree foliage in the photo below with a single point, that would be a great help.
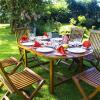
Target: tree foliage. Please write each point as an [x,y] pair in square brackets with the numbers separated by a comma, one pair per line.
[56,10]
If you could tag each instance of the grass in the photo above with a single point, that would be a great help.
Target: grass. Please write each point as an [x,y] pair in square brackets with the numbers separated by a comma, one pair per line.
[66,91]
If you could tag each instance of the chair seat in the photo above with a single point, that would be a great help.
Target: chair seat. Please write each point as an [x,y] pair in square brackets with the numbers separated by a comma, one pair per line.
[25,78]
[91,76]
[17,81]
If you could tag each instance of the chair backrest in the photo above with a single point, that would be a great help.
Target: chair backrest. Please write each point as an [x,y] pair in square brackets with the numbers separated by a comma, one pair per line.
[53,34]
[19,32]
[4,76]
[76,34]
[95,41]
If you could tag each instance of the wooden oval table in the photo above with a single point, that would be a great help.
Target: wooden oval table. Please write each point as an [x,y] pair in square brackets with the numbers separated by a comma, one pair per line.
[52,57]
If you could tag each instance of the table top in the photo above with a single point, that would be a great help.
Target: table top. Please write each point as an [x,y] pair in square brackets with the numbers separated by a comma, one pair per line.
[49,48]
[53,53]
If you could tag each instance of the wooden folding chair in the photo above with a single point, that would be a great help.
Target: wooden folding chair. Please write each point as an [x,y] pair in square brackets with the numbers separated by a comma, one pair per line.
[92,75]
[91,58]
[19,32]
[76,34]
[16,82]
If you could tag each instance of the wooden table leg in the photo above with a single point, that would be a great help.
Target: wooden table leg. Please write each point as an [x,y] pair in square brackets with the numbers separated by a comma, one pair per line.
[80,64]
[25,58]
[52,76]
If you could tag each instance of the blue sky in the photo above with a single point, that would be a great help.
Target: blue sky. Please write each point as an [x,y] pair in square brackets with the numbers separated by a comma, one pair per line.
[90,0]
[83,0]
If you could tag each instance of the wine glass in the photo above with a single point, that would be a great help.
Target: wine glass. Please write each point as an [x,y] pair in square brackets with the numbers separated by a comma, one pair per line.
[31,36]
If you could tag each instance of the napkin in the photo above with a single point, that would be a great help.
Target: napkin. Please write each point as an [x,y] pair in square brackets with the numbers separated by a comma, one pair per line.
[61,50]
[45,34]
[24,38]
[86,44]
[36,44]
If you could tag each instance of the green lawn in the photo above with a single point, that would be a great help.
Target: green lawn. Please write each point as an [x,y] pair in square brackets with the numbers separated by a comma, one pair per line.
[66,91]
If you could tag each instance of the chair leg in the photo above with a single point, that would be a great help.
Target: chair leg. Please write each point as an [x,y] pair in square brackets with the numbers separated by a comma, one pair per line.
[5,97]
[1,85]
[30,97]
[93,94]
[96,65]
[76,80]
[25,95]
[35,92]
[22,55]
[58,61]
[71,64]
[65,62]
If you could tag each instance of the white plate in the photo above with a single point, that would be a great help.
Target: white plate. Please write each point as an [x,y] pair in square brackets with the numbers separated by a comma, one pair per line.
[44,49]
[76,50]
[27,43]
[75,43]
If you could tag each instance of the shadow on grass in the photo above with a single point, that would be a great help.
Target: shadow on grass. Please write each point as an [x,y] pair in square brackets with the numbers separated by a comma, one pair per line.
[66,91]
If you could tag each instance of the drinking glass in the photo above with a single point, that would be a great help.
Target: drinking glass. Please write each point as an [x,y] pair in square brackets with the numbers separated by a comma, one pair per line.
[31,36]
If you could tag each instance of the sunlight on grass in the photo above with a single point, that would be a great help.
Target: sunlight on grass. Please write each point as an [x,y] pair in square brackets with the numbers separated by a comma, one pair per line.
[0,42]
[67,91]
[8,53]
[4,25]
[14,47]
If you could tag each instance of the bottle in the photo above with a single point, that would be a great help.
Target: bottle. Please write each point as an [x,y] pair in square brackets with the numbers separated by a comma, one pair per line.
[65,39]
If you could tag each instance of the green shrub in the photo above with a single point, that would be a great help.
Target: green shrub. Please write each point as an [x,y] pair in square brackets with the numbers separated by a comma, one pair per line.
[81,20]
[72,21]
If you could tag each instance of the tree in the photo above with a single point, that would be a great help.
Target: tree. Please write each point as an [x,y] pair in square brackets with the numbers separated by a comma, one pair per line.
[14,8]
